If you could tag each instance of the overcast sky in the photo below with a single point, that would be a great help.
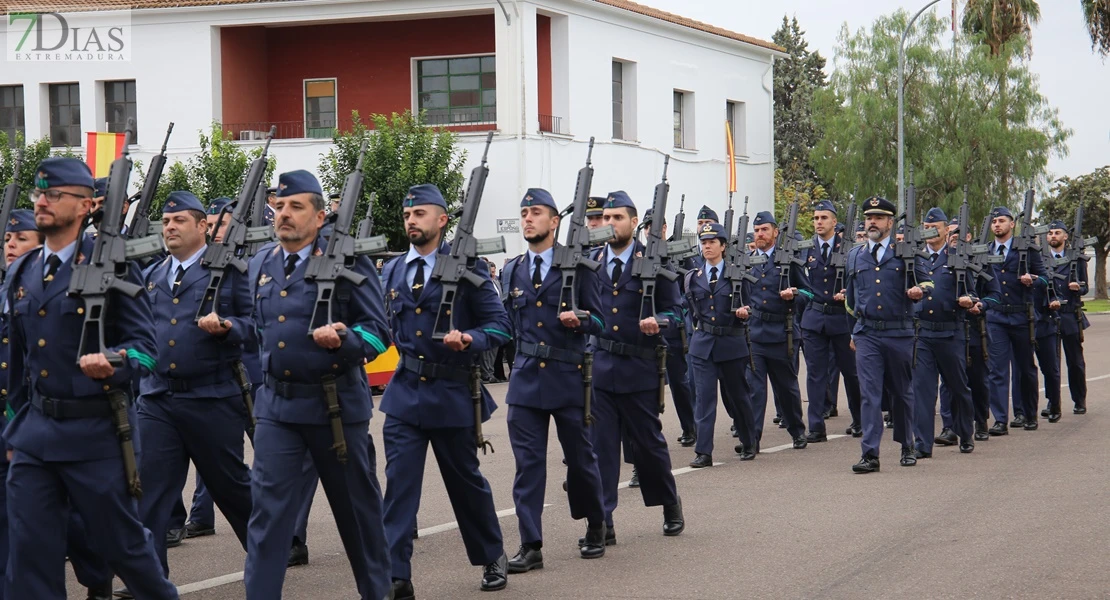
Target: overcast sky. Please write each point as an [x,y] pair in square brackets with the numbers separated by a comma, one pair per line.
[1075,81]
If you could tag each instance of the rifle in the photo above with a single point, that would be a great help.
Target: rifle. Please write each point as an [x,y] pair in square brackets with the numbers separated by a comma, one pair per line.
[787,256]
[575,254]
[230,251]
[366,225]
[649,268]
[11,197]
[1025,243]
[913,241]
[140,224]
[259,230]
[738,263]
[839,257]
[961,259]
[1074,254]
[455,267]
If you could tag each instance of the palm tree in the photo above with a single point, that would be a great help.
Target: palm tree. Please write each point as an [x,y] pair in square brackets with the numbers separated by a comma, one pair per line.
[1097,15]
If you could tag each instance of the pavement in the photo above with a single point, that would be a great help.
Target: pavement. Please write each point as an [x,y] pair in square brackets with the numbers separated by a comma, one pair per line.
[1023,516]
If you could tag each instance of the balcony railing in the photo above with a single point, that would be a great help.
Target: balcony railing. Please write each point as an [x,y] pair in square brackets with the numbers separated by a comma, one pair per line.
[297,130]
[552,124]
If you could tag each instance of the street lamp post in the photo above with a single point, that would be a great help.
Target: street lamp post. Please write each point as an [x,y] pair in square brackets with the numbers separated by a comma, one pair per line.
[901,110]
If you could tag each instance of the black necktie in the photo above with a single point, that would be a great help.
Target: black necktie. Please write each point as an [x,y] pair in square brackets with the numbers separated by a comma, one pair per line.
[537,279]
[713,276]
[935,255]
[1002,250]
[875,252]
[177,277]
[52,264]
[825,252]
[616,269]
[418,278]
[290,264]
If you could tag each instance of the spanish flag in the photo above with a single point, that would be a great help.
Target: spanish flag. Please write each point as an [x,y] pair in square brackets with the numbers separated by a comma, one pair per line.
[380,370]
[731,158]
[101,150]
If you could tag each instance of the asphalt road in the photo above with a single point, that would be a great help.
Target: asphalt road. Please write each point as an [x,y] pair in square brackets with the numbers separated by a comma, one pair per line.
[1024,516]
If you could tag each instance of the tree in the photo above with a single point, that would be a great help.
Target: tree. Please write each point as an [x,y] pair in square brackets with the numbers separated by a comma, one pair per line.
[402,152]
[959,129]
[807,193]
[33,154]
[1064,197]
[797,77]
[1096,13]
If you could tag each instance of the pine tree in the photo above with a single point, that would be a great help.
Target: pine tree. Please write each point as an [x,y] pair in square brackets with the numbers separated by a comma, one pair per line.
[797,78]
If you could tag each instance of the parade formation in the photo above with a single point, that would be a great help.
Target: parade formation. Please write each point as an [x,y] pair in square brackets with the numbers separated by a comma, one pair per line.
[129,354]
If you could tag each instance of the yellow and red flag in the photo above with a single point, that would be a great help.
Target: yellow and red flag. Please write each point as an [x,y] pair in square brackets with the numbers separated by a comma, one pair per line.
[731,158]
[380,370]
[101,149]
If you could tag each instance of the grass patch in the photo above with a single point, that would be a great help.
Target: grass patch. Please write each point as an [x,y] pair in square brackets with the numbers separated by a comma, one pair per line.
[1097,306]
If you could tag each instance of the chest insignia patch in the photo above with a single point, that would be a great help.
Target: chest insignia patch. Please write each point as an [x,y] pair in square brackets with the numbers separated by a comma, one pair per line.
[264,279]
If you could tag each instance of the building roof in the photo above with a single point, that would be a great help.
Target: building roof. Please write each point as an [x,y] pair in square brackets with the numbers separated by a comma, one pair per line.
[89,5]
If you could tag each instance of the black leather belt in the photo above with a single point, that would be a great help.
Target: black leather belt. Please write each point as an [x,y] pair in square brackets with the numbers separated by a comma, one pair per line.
[625,349]
[432,370]
[1011,308]
[940,325]
[768,316]
[289,389]
[178,384]
[56,408]
[722,331]
[546,352]
[885,325]
[828,309]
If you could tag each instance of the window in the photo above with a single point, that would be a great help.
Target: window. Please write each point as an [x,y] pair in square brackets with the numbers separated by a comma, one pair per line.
[736,114]
[119,105]
[684,120]
[457,90]
[11,111]
[65,114]
[319,108]
[679,97]
[618,100]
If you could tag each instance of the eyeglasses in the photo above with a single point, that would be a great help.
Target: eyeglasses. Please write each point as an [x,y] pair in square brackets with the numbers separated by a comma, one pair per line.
[53,195]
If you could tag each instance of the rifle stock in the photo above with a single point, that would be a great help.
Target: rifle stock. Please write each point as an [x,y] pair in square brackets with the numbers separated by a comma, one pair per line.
[140,223]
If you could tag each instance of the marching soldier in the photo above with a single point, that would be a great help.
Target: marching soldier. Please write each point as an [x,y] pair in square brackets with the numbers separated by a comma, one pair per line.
[718,348]
[429,400]
[626,401]
[825,331]
[1072,320]
[883,332]
[708,215]
[192,405]
[942,346]
[1010,343]
[1047,304]
[66,453]
[768,333]
[305,377]
[549,360]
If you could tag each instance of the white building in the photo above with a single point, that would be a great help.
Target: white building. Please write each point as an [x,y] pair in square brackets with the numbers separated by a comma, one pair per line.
[546,75]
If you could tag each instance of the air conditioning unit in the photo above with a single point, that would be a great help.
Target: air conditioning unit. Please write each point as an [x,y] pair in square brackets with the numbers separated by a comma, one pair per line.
[250,136]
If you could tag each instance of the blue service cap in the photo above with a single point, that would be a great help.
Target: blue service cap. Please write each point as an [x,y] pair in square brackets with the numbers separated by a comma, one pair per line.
[538,197]
[649,213]
[749,238]
[268,214]
[21,219]
[1057,224]
[270,191]
[1001,211]
[954,221]
[100,187]
[877,205]
[713,230]
[901,228]
[764,217]
[298,182]
[594,206]
[859,227]
[618,199]
[936,215]
[59,171]
[824,205]
[423,194]
[707,213]
[217,205]
[179,201]
[839,228]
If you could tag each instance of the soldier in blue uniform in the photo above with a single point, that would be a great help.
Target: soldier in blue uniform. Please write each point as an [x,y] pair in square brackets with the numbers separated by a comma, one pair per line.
[880,296]
[942,346]
[303,375]
[548,362]
[768,311]
[826,332]
[1046,350]
[626,397]
[429,400]
[708,215]
[718,348]
[1010,343]
[66,454]
[1070,290]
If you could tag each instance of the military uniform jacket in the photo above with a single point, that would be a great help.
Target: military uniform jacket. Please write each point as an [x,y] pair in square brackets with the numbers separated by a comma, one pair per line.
[718,335]
[941,304]
[548,383]
[46,326]
[478,312]
[823,314]
[187,355]
[5,356]
[768,308]
[621,304]
[876,293]
[1012,309]
[1069,325]
[282,314]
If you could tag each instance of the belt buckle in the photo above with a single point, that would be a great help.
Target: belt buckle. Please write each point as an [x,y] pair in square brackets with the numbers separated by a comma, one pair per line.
[50,407]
